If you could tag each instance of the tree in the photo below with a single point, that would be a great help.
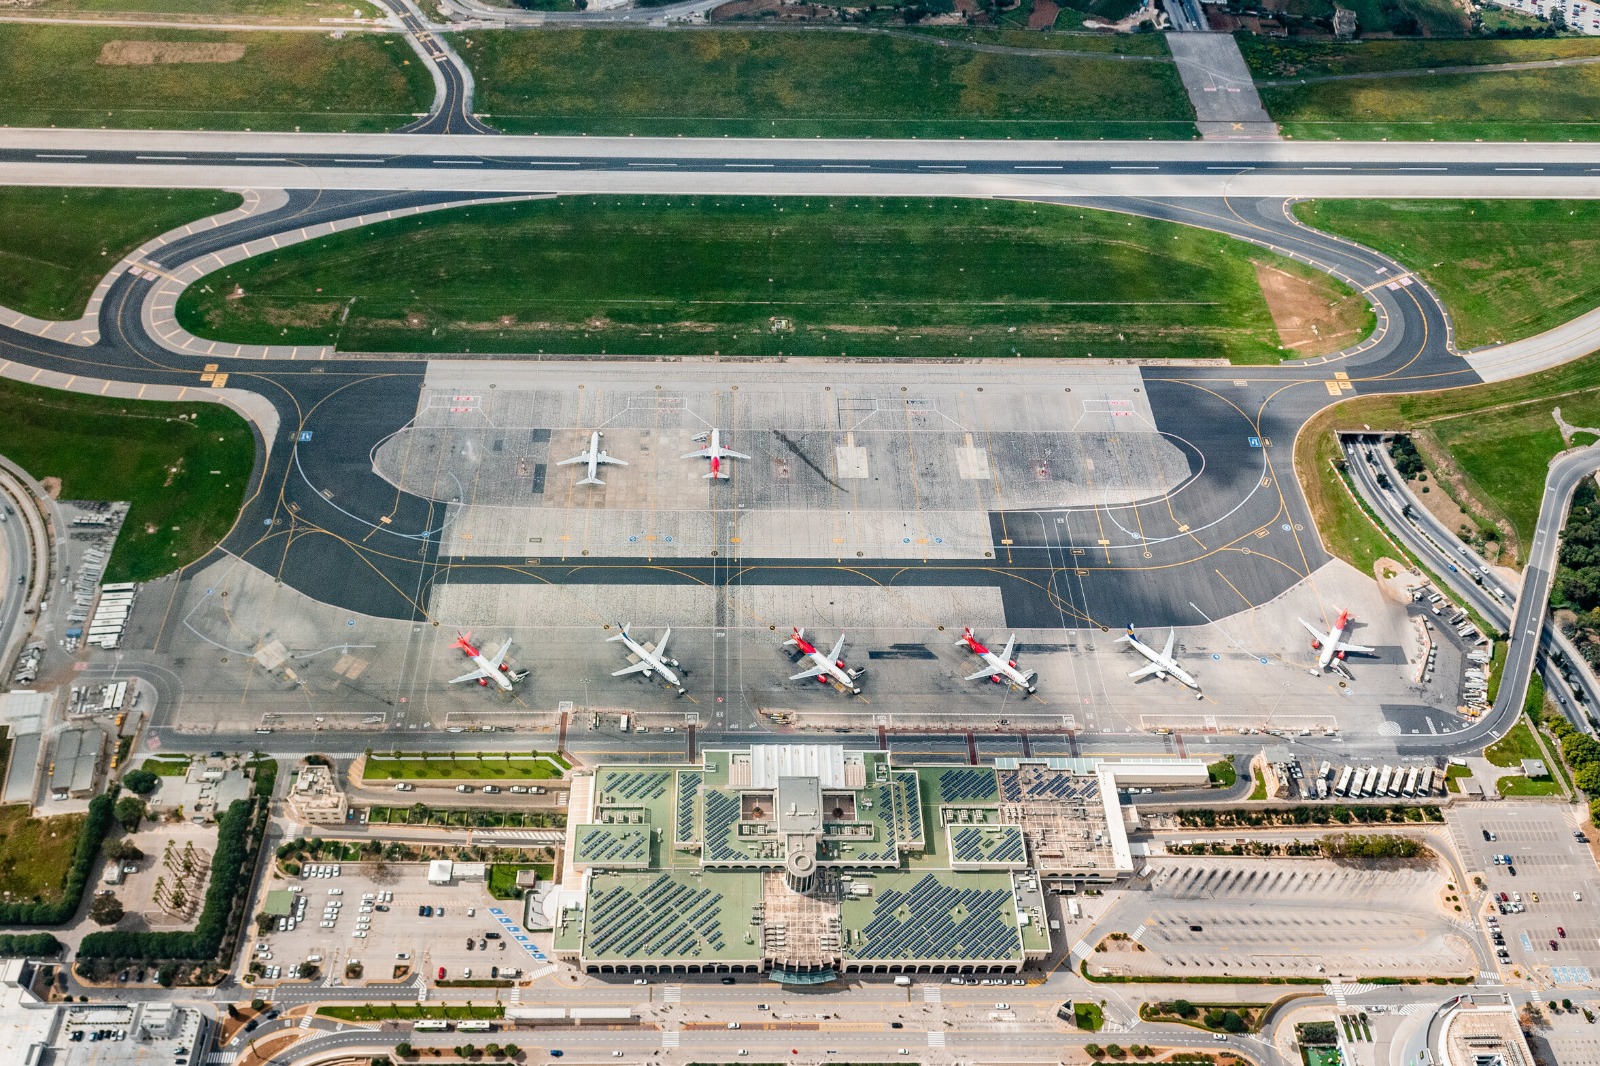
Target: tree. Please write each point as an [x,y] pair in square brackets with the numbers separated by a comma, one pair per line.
[510,1051]
[142,782]
[123,851]
[129,812]
[1566,1004]
[106,910]
[404,1049]
[1116,1051]
[1094,1051]
[1184,1009]
[258,1004]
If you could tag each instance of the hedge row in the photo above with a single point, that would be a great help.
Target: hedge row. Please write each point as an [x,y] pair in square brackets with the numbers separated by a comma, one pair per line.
[85,858]
[230,882]
[28,945]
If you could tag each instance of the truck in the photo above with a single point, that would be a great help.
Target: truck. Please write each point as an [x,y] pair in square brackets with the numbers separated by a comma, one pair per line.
[1073,909]
[624,723]
[902,980]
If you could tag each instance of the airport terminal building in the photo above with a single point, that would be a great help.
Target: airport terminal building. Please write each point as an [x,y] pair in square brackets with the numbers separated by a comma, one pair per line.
[809,861]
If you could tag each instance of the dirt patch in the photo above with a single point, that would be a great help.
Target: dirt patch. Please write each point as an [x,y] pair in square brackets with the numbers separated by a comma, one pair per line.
[155,53]
[1313,317]
[1393,576]
[51,486]
[770,9]
[1450,486]
[1043,15]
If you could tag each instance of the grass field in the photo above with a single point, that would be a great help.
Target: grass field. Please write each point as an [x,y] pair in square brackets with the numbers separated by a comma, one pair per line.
[1504,433]
[167,766]
[35,853]
[185,478]
[1122,44]
[758,277]
[56,244]
[1270,58]
[279,81]
[1515,746]
[465,768]
[1088,1017]
[1552,104]
[803,84]
[1517,785]
[308,11]
[503,877]
[1506,269]
[1222,774]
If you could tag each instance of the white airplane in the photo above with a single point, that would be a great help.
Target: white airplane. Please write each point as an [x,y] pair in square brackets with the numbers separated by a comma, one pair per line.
[594,457]
[494,669]
[1329,645]
[828,667]
[650,662]
[998,668]
[1162,664]
[715,452]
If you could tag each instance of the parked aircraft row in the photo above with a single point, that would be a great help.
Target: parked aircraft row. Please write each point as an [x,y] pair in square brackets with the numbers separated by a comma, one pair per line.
[595,457]
[829,667]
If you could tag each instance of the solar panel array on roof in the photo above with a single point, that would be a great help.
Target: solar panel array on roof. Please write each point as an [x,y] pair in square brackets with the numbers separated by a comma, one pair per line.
[933,920]
[966,783]
[1044,785]
[635,786]
[605,843]
[666,919]
[722,812]
[687,824]
[971,843]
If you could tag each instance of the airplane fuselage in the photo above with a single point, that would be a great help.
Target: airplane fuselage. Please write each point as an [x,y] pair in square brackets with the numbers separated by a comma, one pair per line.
[832,670]
[1005,670]
[501,675]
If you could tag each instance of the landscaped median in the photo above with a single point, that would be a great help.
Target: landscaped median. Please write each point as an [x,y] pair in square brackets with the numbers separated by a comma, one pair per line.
[803,276]
[452,766]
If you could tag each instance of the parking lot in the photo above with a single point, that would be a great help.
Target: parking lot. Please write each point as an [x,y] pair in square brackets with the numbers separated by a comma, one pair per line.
[1548,861]
[352,916]
[1291,917]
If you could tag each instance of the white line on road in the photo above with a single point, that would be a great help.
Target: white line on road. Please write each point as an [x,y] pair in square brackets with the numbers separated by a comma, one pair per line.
[549,163]
[1430,169]
[844,166]
[652,164]
[1324,168]
[166,158]
[1133,168]
[767,165]
[41,155]
[259,159]
[940,166]
[458,162]
[358,160]
[1520,170]
[1025,167]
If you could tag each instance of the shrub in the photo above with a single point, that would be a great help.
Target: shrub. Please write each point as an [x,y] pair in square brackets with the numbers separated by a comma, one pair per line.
[142,782]
[28,945]
[130,811]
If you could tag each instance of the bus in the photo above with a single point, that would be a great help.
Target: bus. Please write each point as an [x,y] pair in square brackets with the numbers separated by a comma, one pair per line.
[474,1027]
[1383,781]
[1344,781]
[431,1025]
[1411,782]
[1368,781]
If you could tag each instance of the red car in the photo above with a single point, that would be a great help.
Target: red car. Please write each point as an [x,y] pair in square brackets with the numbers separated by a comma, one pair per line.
[1560,932]
[1554,946]
[441,973]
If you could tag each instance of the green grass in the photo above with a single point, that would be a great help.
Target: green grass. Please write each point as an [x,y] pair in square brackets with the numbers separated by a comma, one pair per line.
[1515,746]
[1517,785]
[803,84]
[1497,667]
[1222,774]
[1270,58]
[1122,44]
[1088,1017]
[166,765]
[35,853]
[366,82]
[1259,792]
[1506,269]
[691,275]
[1540,105]
[464,767]
[381,1012]
[1506,453]
[308,11]
[185,476]
[503,877]
[56,244]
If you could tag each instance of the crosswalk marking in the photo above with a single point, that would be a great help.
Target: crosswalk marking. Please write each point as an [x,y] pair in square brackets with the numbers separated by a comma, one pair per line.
[1137,933]
[305,1021]
[935,1040]
[672,994]
[930,994]
[1080,951]
[670,1038]
[221,1058]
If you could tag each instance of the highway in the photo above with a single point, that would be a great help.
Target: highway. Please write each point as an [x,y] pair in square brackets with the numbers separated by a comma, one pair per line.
[1526,620]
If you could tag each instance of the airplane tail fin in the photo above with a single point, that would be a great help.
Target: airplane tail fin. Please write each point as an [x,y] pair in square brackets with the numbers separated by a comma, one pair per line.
[622,633]
[966,635]
[795,635]
[463,640]
[1128,637]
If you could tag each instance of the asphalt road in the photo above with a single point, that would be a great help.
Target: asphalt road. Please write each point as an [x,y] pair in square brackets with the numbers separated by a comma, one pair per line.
[452,104]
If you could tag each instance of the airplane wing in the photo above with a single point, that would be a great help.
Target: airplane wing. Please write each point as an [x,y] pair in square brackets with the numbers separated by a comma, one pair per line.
[1172,636]
[815,671]
[1153,668]
[1011,646]
[984,674]
[703,453]
[726,454]
[1313,630]
[1356,647]
[606,460]
[661,645]
[636,668]
[838,649]
[475,675]
[584,458]
[500,655]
